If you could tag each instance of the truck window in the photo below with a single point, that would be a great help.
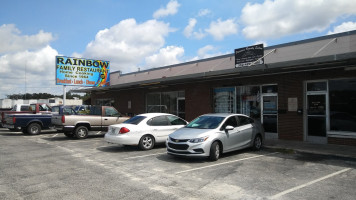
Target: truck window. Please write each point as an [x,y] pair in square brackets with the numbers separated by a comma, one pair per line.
[25,108]
[68,111]
[109,111]
[33,107]
[44,107]
[95,110]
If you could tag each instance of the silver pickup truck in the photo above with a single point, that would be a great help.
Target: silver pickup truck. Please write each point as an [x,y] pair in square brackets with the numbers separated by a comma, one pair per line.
[80,126]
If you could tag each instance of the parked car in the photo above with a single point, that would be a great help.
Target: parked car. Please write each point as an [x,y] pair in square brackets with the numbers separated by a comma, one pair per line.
[80,126]
[144,130]
[211,135]
[30,123]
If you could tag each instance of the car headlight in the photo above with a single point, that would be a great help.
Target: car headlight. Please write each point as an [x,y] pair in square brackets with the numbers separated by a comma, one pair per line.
[198,140]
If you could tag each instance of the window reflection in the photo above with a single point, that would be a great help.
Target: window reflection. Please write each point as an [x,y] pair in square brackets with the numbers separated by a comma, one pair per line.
[248,102]
[165,102]
[342,96]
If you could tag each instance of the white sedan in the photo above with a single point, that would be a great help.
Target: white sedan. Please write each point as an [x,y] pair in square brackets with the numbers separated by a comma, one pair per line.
[144,130]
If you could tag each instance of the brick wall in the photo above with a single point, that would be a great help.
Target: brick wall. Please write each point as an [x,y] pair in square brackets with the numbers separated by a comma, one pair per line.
[342,141]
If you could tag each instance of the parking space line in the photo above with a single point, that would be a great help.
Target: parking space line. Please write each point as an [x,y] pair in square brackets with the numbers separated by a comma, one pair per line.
[309,183]
[144,156]
[189,170]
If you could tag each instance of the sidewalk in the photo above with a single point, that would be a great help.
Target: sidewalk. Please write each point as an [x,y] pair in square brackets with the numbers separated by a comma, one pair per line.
[306,147]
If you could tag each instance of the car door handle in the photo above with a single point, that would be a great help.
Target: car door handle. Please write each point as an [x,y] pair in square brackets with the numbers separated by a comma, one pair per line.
[105,119]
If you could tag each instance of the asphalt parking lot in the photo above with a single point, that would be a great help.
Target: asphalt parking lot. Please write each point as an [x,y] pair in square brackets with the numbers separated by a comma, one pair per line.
[52,166]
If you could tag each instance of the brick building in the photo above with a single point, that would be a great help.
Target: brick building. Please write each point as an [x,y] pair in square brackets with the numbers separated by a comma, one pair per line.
[304,90]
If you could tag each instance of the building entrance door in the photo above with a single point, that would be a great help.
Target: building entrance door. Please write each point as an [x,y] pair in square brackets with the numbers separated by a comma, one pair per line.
[316,117]
[269,113]
[181,107]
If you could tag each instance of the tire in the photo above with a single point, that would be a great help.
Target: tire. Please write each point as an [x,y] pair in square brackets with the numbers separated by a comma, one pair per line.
[147,142]
[34,129]
[214,151]
[81,132]
[69,134]
[257,143]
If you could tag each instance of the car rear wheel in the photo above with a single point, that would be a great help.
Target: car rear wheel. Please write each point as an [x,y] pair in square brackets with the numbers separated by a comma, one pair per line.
[34,129]
[257,143]
[81,132]
[214,151]
[147,142]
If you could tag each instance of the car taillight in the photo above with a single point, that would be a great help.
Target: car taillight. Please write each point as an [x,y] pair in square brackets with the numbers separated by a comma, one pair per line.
[124,130]
[63,119]
[14,120]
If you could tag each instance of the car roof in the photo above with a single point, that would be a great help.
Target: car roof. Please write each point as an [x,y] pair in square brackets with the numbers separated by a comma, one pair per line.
[224,114]
[153,114]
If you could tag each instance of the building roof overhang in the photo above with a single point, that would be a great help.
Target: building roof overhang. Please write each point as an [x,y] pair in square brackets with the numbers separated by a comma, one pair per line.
[309,64]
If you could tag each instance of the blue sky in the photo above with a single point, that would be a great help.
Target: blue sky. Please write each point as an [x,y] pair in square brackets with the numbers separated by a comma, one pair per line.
[146,34]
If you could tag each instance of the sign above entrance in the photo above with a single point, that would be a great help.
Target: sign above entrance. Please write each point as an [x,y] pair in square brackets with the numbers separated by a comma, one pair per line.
[246,56]
[82,72]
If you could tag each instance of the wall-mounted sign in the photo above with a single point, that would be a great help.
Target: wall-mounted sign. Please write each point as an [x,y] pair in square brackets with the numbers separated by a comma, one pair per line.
[82,72]
[246,56]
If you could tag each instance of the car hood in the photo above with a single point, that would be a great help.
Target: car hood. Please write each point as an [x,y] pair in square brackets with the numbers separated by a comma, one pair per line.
[190,133]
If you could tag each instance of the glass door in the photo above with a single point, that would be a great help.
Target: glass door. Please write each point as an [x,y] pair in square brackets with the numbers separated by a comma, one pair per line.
[269,113]
[316,115]
[181,107]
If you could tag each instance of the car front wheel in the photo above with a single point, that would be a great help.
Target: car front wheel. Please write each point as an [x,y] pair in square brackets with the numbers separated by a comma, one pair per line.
[214,151]
[147,142]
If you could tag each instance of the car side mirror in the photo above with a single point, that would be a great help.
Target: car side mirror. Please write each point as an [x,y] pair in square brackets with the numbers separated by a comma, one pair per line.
[229,128]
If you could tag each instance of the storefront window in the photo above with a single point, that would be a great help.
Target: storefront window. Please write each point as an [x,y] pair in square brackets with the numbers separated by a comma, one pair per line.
[224,100]
[153,102]
[249,101]
[104,102]
[165,102]
[342,97]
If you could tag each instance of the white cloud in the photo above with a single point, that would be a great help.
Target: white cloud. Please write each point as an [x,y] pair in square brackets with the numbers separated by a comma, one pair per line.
[207,51]
[344,27]
[274,19]
[189,30]
[220,29]
[36,67]
[203,52]
[11,39]
[27,62]
[127,43]
[166,56]
[261,42]
[203,12]
[170,9]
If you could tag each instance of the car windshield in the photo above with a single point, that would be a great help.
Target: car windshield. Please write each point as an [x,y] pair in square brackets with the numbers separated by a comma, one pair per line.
[206,122]
[134,120]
